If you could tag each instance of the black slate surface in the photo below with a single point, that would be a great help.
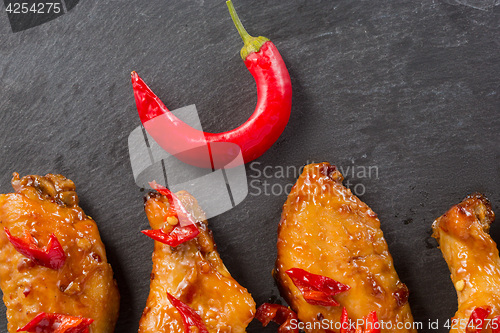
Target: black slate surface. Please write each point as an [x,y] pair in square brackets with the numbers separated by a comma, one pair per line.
[408,87]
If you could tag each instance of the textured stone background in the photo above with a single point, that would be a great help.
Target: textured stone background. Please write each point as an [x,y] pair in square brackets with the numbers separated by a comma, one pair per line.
[411,87]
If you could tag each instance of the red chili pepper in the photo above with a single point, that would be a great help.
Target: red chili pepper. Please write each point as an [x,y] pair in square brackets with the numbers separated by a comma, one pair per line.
[476,319]
[51,256]
[182,232]
[57,323]
[280,314]
[316,289]
[371,324]
[189,317]
[253,138]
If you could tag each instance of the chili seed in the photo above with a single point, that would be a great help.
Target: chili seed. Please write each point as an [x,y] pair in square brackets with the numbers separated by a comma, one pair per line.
[460,285]
[172,220]
[83,243]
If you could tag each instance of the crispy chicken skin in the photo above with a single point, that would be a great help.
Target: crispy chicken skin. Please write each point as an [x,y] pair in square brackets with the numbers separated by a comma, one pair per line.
[472,257]
[194,273]
[84,286]
[326,230]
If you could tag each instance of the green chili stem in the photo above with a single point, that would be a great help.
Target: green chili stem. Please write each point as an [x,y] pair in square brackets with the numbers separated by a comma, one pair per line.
[237,22]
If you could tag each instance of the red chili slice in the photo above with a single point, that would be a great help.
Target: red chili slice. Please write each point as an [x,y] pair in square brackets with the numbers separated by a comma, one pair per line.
[476,319]
[316,289]
[345,323]
[371,323]
[177,236]
[57,323]
[280,314]
[189,317]
[52,256]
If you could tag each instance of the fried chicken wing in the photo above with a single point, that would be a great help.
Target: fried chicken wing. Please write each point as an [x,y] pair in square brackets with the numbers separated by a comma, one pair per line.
[194,273]
[472,258]
[326,230]
[45,211]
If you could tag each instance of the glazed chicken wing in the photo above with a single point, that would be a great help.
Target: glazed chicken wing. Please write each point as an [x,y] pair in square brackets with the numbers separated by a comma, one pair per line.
[326,230]
[63,268]
[194,273]
[472,257]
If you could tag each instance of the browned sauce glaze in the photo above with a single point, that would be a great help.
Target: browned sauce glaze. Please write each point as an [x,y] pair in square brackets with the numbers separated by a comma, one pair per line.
[84,286]
[472,257]
[326,230]
[194,273]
